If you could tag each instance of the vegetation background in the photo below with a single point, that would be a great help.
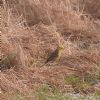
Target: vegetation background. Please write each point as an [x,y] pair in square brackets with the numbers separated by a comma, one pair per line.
[32,29]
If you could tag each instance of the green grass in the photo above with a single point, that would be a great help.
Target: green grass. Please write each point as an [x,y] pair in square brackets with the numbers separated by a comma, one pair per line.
[84,80]
[77,84]
[47,93]
[72,79]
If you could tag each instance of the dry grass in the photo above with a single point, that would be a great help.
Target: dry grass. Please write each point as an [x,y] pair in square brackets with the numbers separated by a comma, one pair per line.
[31,30]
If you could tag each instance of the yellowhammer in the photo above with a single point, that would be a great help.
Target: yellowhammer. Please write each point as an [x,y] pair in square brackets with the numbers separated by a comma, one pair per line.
[54,56]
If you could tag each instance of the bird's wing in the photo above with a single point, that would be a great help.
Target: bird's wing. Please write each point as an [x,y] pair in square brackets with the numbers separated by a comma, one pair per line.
[52,56]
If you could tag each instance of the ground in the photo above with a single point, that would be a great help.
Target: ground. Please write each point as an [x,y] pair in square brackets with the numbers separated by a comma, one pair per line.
[30,31]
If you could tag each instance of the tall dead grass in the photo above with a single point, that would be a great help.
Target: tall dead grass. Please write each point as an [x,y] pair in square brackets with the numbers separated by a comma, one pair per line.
[32,28]
[17,15]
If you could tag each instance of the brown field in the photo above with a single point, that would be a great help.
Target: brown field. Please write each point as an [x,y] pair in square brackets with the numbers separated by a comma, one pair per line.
[32,29]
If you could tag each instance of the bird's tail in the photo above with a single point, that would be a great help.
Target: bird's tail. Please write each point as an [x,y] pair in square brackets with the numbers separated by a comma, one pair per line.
[43,64]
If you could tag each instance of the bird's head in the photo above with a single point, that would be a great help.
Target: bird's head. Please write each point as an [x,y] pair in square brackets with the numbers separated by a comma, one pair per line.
[60,47]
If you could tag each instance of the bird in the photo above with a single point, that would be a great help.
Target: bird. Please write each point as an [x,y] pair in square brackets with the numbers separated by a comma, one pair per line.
[55,55]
